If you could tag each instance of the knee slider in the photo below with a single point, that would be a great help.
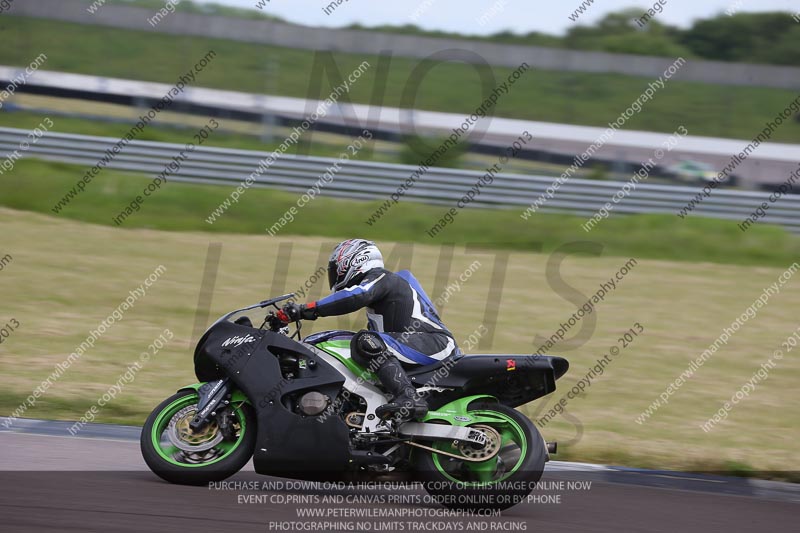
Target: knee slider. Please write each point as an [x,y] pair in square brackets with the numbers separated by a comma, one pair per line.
[366,348]
[369,344]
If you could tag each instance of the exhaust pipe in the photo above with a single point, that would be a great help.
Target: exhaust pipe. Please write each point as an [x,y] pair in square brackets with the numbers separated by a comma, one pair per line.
[552,447]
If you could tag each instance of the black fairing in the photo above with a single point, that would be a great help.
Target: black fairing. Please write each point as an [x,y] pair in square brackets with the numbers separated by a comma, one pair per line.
[513,379]
[206,366]
[288,443]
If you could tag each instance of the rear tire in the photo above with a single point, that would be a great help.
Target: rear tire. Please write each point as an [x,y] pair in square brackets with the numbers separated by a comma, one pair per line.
[182,467]
[500,482]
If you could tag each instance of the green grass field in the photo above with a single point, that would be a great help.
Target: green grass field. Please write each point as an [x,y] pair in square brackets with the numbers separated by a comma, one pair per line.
[572,98]
[65,277]
[36,186]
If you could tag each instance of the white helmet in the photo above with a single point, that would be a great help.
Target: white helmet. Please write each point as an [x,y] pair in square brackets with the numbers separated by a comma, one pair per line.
[351,258]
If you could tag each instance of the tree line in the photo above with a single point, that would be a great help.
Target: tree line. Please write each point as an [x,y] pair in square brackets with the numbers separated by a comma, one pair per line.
[772,37]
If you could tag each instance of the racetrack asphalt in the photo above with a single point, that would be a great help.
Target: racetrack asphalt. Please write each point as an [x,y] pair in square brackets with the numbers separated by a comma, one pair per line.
[97,481]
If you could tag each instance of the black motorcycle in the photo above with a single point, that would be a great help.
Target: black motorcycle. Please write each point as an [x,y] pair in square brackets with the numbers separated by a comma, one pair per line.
[304,409]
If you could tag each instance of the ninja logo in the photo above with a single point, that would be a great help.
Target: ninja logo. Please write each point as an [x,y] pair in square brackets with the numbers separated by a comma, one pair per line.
[238,340]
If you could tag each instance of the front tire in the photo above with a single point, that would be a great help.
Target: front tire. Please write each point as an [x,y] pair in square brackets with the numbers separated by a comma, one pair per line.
[501,481]
[198,458]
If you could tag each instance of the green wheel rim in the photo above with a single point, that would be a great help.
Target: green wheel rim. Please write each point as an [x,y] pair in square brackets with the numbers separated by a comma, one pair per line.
[166,449]
[511,435]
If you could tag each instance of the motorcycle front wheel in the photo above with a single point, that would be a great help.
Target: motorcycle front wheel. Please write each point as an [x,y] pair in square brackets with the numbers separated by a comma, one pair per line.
[178,455]
[515,456]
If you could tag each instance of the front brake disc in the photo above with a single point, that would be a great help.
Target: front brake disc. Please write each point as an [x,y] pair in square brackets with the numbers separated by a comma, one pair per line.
[182,437]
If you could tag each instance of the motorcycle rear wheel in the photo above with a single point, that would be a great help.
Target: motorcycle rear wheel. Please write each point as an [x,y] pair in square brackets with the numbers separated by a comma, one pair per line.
[203,457]
[501,481]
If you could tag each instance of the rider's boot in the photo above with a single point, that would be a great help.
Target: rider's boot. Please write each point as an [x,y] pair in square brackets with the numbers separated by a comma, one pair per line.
[405,404]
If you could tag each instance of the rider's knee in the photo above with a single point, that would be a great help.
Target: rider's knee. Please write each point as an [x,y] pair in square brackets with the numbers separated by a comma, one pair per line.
[367,346]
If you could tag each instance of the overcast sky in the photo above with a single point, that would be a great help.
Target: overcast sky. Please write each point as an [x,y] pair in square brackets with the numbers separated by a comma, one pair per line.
[479,16]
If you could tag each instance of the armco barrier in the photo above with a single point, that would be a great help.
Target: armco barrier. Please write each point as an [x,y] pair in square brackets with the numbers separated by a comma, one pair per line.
[369,180]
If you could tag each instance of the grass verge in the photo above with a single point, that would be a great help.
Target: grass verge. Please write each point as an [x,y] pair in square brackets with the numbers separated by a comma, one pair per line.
[36,186]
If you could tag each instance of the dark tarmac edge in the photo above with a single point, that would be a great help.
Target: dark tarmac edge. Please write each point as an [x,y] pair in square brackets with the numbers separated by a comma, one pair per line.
[97,481]
[709,482]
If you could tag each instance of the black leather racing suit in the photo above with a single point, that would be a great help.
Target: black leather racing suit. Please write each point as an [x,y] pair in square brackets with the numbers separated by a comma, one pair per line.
[399,311]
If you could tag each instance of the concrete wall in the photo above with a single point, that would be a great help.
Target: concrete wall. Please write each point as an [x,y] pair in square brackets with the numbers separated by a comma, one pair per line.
[368,42]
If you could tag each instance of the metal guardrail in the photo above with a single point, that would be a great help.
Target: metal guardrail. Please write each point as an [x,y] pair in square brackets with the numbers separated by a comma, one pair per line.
[369,180]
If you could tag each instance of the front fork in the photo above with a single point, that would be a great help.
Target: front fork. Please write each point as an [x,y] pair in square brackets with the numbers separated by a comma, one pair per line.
[214,395]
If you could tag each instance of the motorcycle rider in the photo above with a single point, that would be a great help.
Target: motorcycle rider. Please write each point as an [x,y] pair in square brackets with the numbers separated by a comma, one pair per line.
[403,325]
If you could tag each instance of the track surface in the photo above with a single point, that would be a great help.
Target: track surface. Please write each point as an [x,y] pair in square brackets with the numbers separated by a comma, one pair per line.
[97,481]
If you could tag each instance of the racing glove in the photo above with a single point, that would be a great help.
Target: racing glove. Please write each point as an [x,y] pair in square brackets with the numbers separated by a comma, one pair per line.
[294,312]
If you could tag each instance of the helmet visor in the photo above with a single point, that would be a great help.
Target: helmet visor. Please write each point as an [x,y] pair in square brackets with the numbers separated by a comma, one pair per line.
[332,274]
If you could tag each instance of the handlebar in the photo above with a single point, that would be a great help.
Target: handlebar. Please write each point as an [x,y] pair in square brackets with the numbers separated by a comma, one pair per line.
[278,321]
